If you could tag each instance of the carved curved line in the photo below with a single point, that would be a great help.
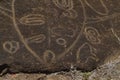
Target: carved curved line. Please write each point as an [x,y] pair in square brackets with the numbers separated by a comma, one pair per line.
[93,55]
[102,3]
[7,2]
[5,9]
[73,32]
[46,53]
[94,38]
[115,34]
[11,47]
[81,32]
[6,14]
[36,39]
[64,4]
[79,50]
[92,52]
[6,49]
[33,19]
[61,41]
[70,14]
[21,36]
[100,19]
[93,58]
[91,28]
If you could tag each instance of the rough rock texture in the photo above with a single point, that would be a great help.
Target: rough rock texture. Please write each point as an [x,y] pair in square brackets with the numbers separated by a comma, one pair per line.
[108,71]
[57,35]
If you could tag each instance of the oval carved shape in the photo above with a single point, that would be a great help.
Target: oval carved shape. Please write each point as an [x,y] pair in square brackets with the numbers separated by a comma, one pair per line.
[36,39]
[102,9]
[92,35]
[33,19]
[61,41]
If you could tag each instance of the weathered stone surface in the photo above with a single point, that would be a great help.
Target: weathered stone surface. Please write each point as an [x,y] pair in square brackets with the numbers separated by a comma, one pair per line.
[54,35]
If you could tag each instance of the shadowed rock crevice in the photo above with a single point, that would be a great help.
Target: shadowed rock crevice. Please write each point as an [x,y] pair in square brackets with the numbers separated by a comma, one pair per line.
[4,69]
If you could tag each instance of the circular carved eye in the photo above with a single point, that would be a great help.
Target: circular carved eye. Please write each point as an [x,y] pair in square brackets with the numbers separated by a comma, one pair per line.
[61,41]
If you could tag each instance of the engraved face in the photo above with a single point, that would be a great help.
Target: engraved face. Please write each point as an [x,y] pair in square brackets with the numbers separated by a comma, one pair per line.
[48,26]
[52,29]
[59,33]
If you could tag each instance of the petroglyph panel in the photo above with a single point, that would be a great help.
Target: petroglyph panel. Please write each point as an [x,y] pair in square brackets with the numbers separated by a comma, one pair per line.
[11,46]
[55,35]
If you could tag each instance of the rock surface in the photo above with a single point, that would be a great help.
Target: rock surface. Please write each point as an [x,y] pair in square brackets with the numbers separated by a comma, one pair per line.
[57,35]
[108,71]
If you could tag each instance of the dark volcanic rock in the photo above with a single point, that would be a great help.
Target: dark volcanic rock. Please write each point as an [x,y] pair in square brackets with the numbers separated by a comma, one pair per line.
[54,35]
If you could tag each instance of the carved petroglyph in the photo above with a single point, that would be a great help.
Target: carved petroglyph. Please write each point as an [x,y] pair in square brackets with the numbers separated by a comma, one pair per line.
[72,32]
[61,41]
[16,26]
[70,14]
[104,18]
[20,34]
[92,56]
[36,39]
[64,4]
[103,6]
[93,52]
[5,11]
[92,35]
[11,46]
[59,34]
[79,34]
[95,58]
[62,31]
[115,34]
[49,56]
[33,19]
[67,6]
